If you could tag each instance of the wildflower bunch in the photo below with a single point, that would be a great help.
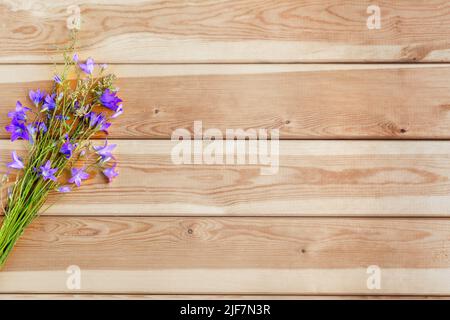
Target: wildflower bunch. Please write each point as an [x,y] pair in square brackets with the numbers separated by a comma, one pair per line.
[58,127]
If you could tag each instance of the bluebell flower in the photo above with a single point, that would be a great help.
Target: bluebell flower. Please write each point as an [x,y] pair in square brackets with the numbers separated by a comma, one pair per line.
[49,102]
[18,130]
[97,120]
[67,148]
[105,126]
[34,128]
[110,173]
[118,112]
[88,66]
[110,100]
[78,175]
[64,189]
[47,172]
[40,126]
[17,162]
[20,112]
[105,151]
[36,96]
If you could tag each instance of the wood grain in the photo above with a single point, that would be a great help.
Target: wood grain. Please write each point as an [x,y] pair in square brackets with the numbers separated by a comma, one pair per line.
[413,281]
[302,101]
[231,255]
[199,231]
[228,31]
[379,178]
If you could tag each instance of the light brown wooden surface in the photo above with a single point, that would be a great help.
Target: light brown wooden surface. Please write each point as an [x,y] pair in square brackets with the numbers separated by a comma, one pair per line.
[147,243]
[311,69]
[376,178]
[229,31]
[413,281]
[231,255]
[302,101]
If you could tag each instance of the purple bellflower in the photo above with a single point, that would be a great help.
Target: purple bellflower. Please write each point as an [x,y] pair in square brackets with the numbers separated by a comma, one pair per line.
[88,66]
[18,130]
[105,151]
[95,119]
[47,172]
[64,189]
[35,127]
[67,148]
[98,120]
[78,175]
[49,102]
[40,126]
[110,173]
[20,112]
[104,127]
[110,100]
[36,96]
[17,162]
[119,111]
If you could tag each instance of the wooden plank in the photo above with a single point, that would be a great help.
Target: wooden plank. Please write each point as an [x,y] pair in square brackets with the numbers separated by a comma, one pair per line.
[302,101]
[229,31]
[413,281]
[375,178]
[231,255]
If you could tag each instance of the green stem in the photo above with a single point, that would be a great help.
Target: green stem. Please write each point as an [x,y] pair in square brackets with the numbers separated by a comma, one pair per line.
[13,226]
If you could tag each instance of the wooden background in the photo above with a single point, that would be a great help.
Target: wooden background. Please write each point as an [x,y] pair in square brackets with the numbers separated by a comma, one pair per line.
[364,173]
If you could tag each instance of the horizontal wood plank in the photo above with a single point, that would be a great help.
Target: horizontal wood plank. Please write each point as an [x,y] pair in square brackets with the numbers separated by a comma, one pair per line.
[228,31]
[379,178]
[302,101]
[231,255]
[412,281]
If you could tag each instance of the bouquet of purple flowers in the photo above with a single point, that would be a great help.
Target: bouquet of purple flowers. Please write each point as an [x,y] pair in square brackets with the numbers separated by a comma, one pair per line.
[58,129]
